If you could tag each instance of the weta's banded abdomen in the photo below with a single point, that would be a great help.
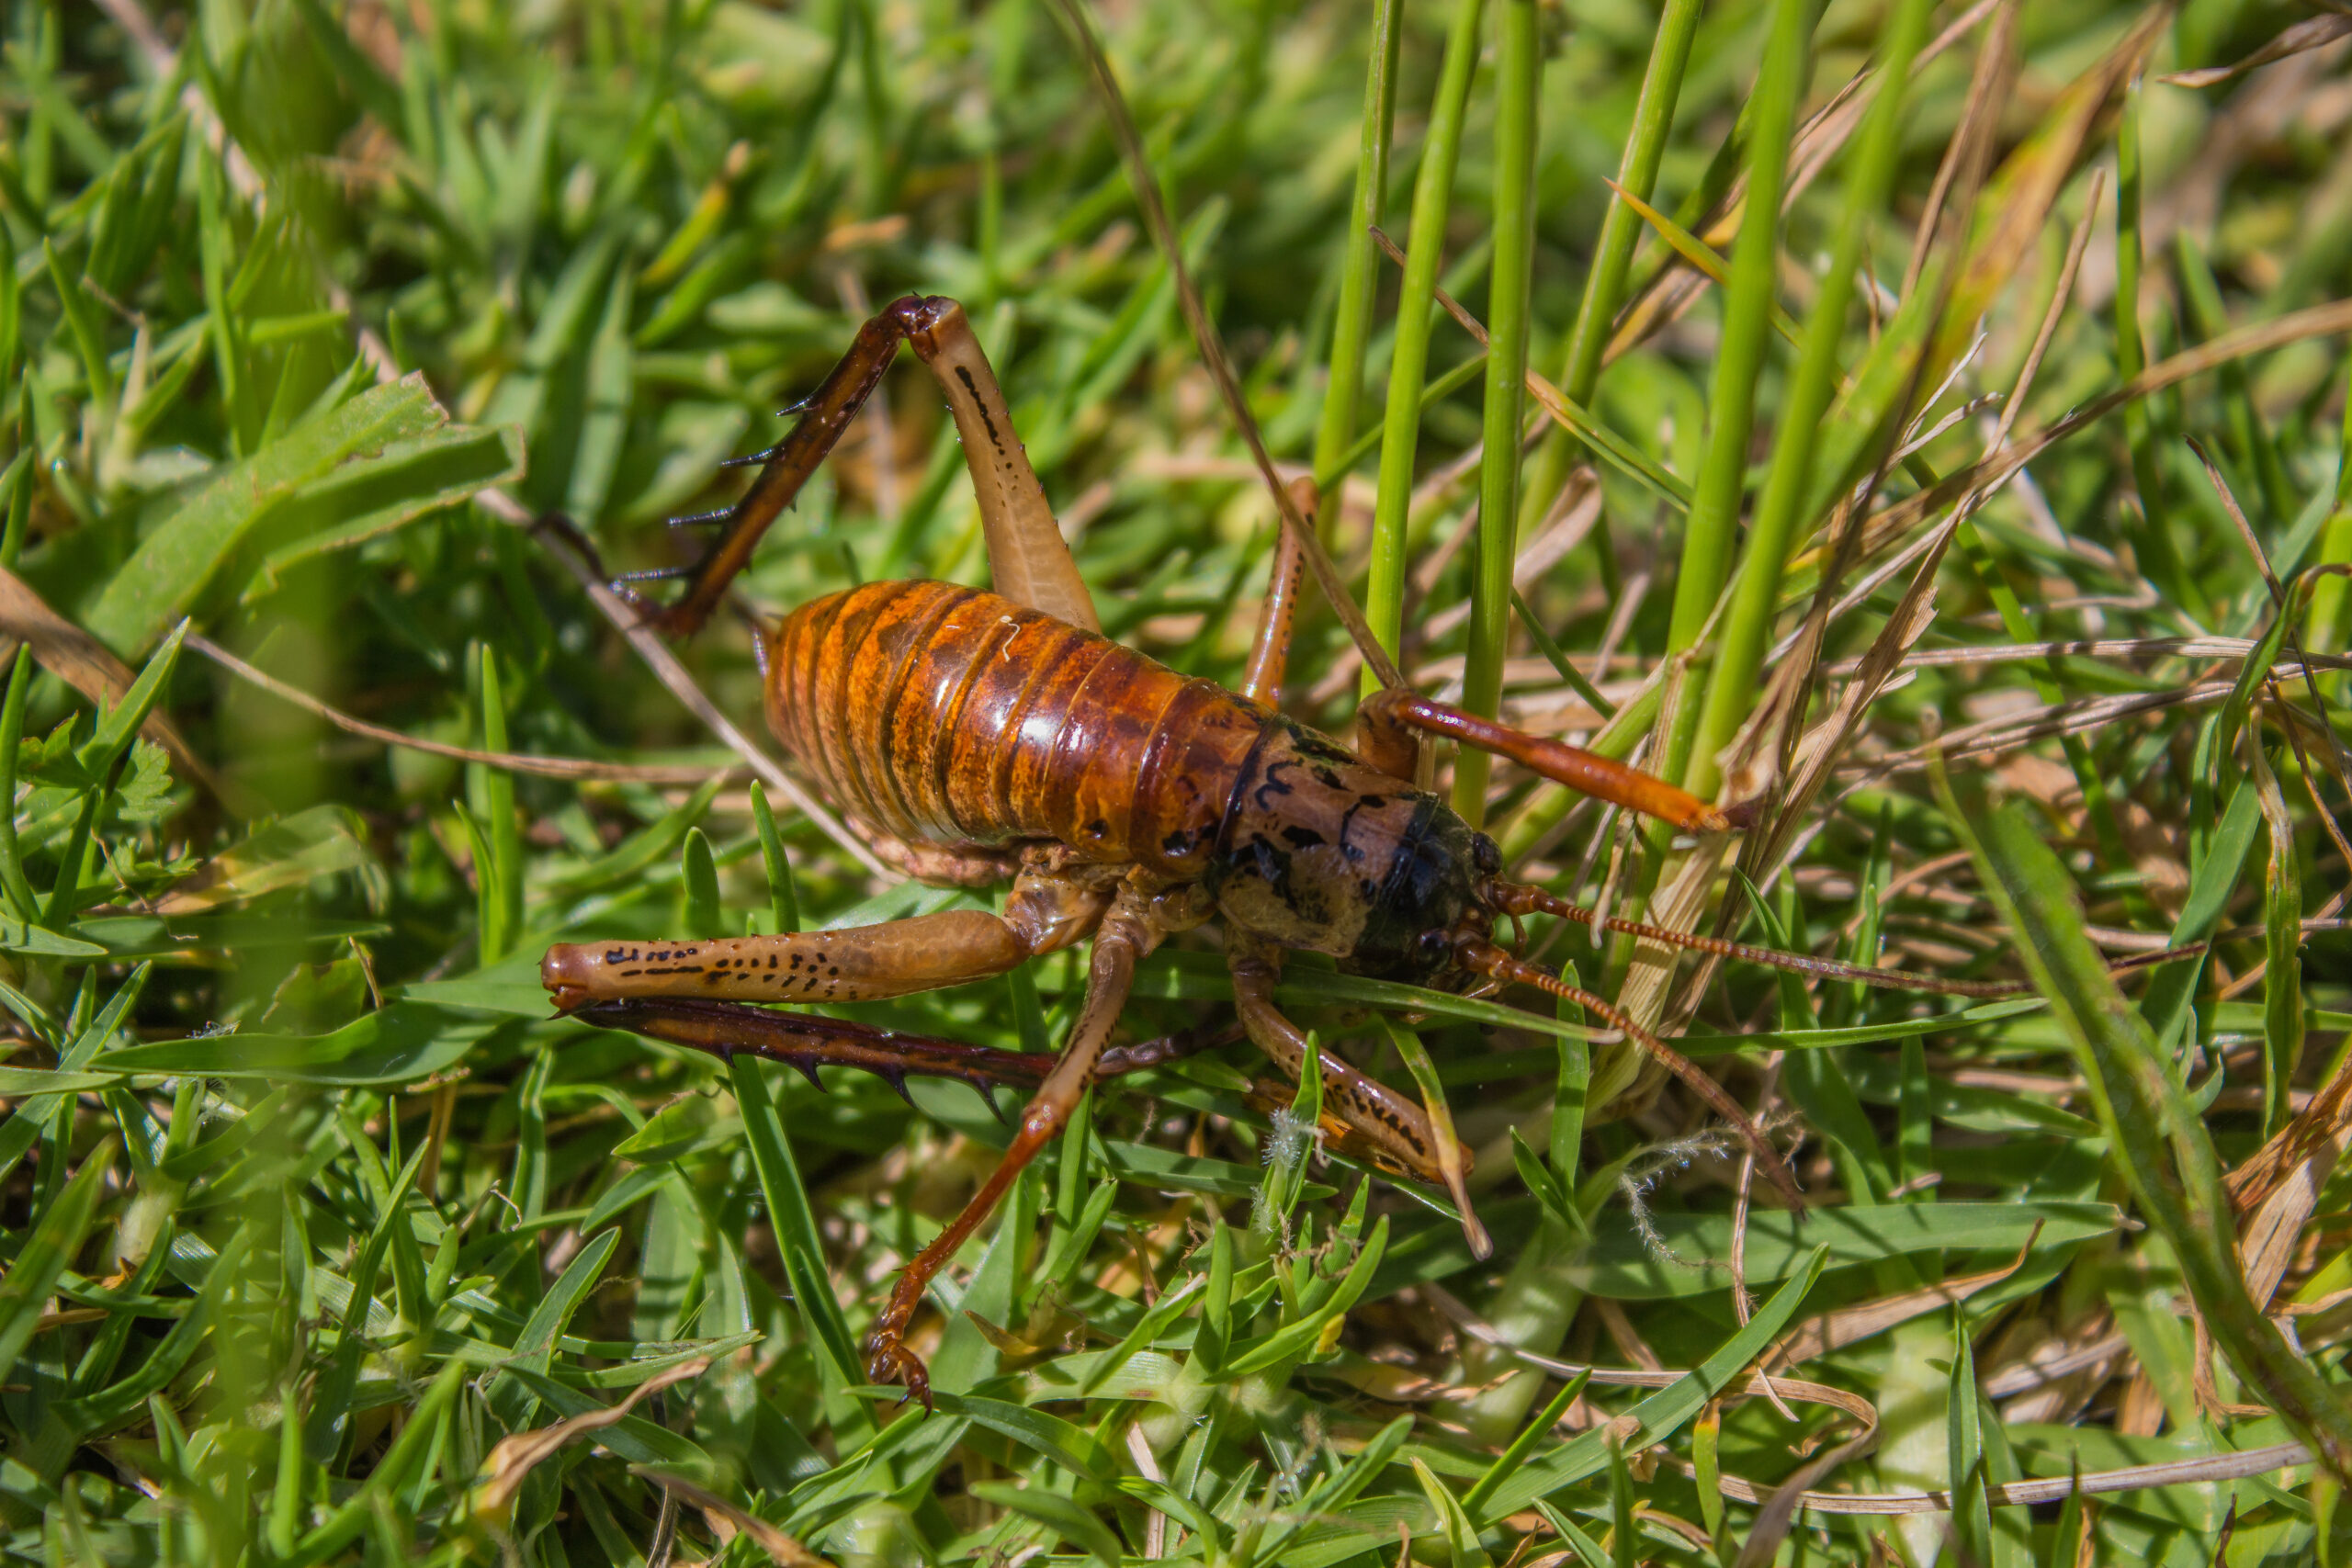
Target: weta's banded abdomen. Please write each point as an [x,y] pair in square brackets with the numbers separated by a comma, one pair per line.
[944,714]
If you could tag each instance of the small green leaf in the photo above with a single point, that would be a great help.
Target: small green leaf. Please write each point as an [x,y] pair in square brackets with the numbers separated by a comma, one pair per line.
[397,1044]
[698,888]
[783,899]
[18,1082]
[1300,1339]
[643,850]
[16,936]
[1624,1264]
[82,316]
[1964,1444]
[373,494]
[1546,1188]
[535,1347]
[1148,1327]
[1664,1412]
[1057,1513]
[56,1237]
[1515,1453]
[1069,1446]
[796,1230]
[1461,1535]
[174,564]
[1291,1140]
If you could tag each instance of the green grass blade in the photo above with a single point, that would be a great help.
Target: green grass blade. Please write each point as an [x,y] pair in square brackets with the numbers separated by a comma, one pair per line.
[2153,534]
[1518,63]
[698,887]
[2157,1141]
[1359,263]
[175,562]
[490,794]
[2284,1019]
[1964,1443]
[1732,680]
[1416,315]
[795,1224]
[1747,318]
[1613,258]
[1664,1412]
[783,899]
[55,1237]
[1474,1501]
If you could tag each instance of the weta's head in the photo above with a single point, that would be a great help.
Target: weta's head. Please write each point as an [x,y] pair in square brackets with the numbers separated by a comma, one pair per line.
[1433,896]
[1320,853]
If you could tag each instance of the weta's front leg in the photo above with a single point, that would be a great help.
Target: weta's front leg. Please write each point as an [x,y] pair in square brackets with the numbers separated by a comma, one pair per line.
[1389,726]
[1391,1126]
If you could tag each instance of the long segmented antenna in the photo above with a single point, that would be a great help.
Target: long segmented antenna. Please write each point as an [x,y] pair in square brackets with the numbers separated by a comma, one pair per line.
[1482,958]
[1517,899]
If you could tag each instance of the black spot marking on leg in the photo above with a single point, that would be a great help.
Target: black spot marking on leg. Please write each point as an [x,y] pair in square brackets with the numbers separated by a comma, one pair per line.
[981,403]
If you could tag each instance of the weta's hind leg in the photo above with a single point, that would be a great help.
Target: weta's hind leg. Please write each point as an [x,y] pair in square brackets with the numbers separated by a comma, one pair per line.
[805,1041]
[1031,564]
[1390,1123]
[1047,912]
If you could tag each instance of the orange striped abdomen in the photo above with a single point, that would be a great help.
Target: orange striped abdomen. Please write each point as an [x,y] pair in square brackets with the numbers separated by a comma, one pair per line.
[944,714]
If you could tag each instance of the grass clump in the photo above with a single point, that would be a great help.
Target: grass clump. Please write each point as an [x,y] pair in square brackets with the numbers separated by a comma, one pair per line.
[1926,427]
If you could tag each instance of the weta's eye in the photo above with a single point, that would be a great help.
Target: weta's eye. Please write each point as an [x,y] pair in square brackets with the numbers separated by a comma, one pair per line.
[1485,855]
[1433,947]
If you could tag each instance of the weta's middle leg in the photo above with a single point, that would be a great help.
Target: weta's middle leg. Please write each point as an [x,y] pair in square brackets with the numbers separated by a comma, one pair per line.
[1269,649]
[1128,931]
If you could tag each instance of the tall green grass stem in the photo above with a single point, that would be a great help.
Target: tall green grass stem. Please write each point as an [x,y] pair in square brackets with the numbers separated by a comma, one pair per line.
[1748,305]
[1416,314]
[2159,554]
[1732,681]
[1518,62]
[13,882]
[1707,541]
[1746,329]
[1360,267]
[1612,259]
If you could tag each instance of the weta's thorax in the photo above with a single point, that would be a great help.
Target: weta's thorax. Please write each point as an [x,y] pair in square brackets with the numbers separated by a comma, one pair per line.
[1321,853]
